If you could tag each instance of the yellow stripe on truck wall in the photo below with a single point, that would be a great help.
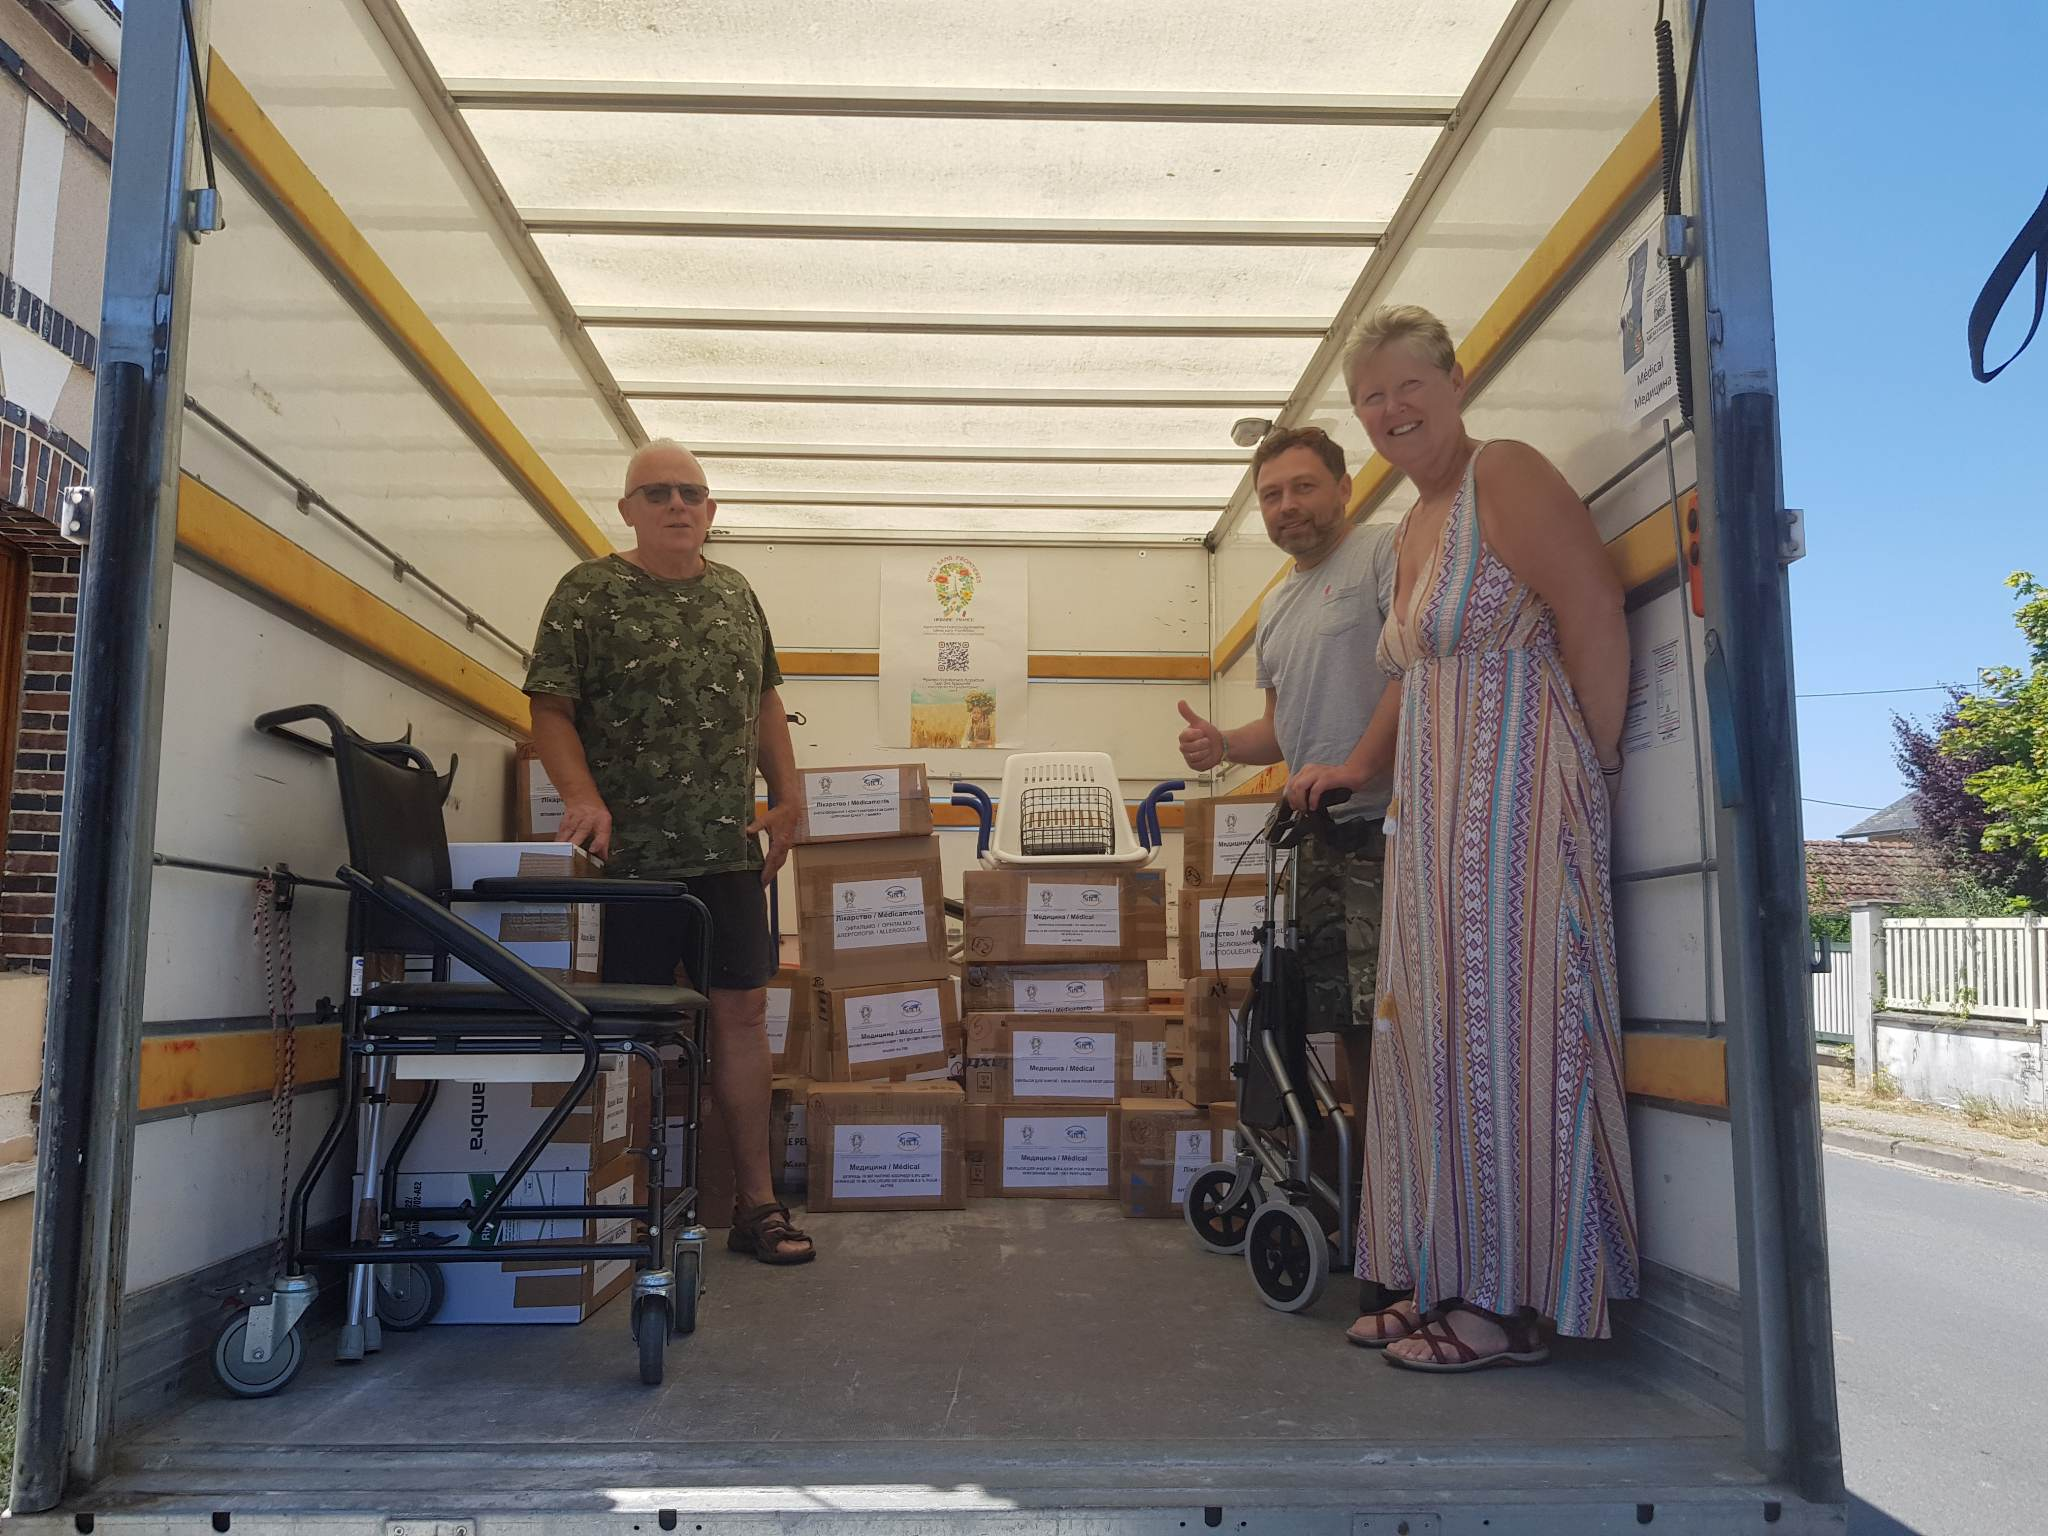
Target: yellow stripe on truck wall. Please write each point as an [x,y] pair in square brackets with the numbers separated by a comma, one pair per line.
[201,1069]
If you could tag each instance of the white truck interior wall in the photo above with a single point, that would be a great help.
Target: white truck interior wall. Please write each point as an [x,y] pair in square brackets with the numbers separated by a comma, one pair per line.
[325,76]
[1570,97]
[229,795]
[1578,87]
[298,373]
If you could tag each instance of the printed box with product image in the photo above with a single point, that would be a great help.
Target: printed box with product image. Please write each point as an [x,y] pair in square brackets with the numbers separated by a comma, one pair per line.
[1077,913]
[478,1126]
[1035,1152]
[871,911]
[886,1147]
[1098,986]
[531,1289]
[848,804]
[561,940]
[1032,1059]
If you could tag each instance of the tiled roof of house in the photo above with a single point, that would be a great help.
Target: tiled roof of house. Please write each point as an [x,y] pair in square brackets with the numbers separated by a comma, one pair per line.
[1842,875]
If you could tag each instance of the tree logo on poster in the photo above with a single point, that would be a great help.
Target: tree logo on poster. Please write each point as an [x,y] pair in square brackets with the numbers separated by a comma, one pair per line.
[953,581]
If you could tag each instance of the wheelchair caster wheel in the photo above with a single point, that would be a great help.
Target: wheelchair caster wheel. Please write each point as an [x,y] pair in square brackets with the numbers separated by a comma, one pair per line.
[650,1330]
[252,1378]
[1289,1256]
[1219,1227]
[412,1298]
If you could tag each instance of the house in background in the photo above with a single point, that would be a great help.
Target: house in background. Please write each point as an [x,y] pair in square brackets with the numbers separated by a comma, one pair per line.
[1883,859]
[57,79]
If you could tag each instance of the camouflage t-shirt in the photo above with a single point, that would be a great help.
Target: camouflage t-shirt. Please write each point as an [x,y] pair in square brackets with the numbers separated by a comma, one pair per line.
[667,677]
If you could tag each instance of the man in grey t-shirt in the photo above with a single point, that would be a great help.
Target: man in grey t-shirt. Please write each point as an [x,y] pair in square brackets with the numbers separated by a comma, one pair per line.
[1318,643]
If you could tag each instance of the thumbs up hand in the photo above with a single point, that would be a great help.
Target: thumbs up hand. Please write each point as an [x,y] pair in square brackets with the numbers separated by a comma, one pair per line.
[1201,745]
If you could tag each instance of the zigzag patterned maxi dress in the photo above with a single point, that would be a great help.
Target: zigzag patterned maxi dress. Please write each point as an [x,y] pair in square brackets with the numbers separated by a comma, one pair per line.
[1496,1138]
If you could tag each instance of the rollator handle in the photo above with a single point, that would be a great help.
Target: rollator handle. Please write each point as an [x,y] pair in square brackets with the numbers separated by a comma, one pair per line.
[1291,826]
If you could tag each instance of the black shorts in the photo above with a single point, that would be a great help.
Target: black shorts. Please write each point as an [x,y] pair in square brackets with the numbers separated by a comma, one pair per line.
[649,943]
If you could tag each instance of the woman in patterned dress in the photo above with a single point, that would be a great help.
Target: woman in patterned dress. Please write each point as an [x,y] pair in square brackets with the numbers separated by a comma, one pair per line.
[1497,1185]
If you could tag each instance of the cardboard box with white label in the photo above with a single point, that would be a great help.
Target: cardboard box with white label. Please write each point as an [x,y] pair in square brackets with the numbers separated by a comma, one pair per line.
[871,911]
[1098,986]
[480,1126]
[890,1031]
[789,1150]
[531,1289]
[887,1147]
[1042,1152]
[1219,934]
[1071,914]
[536,803]
[1221,843]
[1164,1144]
[1210,1038]
[561,940]
[792,1033]
[848,804]
[1035,1059]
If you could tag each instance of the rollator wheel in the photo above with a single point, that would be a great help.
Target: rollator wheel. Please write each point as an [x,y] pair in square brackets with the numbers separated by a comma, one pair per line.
[1218,1226]
[689,1270]
[650,1330]
[1289,1256]
[248,1378]
[412,1298]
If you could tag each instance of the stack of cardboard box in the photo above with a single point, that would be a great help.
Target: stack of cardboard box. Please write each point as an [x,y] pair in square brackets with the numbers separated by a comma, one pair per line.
[872,1047]
[1060,1039]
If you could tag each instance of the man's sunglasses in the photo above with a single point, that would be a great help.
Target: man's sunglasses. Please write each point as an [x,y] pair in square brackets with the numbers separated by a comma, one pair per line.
[659,493]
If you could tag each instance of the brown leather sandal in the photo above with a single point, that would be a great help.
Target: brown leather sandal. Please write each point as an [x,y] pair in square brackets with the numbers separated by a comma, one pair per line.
[1389,1325]
[764,1230]
[1450,1355]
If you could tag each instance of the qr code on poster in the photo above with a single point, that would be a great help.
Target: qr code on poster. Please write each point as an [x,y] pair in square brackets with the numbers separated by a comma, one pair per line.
[952,655]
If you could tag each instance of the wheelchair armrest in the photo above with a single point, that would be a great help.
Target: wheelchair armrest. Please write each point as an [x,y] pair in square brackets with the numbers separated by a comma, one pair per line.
[570,888]
[476,949]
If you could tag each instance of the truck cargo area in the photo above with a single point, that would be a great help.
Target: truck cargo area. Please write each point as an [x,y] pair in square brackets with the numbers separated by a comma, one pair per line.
[1019,1355]
[1005,282]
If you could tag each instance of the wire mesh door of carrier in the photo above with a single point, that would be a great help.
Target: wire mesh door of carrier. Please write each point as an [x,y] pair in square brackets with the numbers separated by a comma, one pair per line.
[1067,819]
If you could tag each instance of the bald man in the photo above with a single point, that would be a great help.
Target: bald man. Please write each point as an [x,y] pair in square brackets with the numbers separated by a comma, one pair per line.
[654,705]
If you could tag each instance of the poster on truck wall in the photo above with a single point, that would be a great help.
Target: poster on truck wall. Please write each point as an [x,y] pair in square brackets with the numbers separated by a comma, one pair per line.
[954,658]
[1649,359]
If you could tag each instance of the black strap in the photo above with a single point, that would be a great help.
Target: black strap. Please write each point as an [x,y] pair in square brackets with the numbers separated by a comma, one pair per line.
[2031,244]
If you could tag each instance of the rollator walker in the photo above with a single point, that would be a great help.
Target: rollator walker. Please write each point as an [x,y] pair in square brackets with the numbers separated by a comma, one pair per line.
[1267,1202]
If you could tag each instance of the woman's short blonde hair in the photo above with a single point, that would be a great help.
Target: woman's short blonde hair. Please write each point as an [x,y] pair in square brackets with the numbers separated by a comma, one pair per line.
[1411,323]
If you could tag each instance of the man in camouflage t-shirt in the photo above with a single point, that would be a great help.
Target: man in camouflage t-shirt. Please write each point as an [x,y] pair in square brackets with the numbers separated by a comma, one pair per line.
[654,706]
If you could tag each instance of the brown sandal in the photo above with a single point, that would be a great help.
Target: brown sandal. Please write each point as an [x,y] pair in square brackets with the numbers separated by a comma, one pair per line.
[763,1231]
[1451,1355]
[1381,1337]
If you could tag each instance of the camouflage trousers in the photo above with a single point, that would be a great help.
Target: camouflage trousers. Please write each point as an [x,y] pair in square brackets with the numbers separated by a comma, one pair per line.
[1337,903]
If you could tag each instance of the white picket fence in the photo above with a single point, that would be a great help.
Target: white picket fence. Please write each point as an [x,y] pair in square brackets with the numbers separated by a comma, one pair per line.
[1834,1016]
[1986,968]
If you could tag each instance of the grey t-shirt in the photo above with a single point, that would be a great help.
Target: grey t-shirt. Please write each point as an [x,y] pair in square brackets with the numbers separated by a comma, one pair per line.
[1318,643]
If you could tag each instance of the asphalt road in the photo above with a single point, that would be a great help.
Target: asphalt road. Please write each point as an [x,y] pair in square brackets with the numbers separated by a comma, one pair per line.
[1941,1351]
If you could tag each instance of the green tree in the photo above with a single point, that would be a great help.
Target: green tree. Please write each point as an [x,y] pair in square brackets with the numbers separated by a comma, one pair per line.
[2002,728]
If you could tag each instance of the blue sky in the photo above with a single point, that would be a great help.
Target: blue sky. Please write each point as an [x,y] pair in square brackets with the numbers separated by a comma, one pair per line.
[1905,145]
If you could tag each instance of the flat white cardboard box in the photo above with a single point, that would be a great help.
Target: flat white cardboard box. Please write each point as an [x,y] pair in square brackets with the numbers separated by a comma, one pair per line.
[561,940]
[479,1127]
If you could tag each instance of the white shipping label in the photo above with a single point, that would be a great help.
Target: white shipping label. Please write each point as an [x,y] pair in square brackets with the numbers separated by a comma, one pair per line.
[1067,995]
[796,1150]
[866,804]
[888,1162]
[1049,1063]
[1236,948]
[1056,1152]
[620,1231]
[543,801]
[1190,1157]
[616,1083]
[893,1025]
[1072,915]
[1226,1150]
[1237,828]
[778,1019]
[874,914]
[589,929]
[1148,1061]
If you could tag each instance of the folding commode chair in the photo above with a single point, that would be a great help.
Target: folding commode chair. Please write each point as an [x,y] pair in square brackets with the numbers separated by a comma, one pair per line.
[399,925]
